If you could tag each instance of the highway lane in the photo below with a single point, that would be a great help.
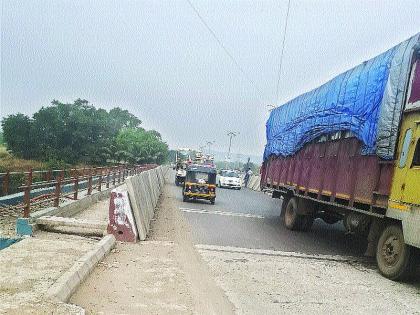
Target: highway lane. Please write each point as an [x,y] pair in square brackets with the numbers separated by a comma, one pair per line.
[250,219]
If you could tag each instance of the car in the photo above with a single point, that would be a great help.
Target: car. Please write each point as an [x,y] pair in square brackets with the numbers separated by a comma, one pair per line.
[229,179]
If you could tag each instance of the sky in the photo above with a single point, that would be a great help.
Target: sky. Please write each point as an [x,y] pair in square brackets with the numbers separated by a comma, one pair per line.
[158,60]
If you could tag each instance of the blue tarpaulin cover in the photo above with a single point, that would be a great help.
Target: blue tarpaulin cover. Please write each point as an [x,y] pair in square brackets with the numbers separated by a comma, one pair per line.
[366,100]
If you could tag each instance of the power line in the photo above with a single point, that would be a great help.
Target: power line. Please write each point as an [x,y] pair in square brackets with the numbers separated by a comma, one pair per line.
[282,52]
[223,47]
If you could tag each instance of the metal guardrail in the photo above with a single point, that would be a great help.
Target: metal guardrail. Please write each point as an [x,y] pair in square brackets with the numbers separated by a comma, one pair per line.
[46,188]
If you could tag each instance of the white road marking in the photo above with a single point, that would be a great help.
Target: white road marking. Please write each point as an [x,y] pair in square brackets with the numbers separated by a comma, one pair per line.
[267,252]
[231,214]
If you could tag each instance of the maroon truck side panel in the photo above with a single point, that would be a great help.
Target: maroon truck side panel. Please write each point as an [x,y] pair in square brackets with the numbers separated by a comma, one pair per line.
[334,171]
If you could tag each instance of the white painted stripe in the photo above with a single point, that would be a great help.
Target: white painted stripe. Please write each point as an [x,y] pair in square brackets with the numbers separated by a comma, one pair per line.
[231,214]
[267,252]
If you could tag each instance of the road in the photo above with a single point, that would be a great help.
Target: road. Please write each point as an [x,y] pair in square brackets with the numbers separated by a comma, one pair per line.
[250,219]
[263,268]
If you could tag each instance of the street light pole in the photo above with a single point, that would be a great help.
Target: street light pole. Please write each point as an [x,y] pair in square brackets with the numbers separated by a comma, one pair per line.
[231,134]
[209,144]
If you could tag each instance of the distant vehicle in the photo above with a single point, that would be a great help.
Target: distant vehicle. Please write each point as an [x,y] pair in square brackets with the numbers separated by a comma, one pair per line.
[182,159]
[200,183]
[229,179]
[350,151]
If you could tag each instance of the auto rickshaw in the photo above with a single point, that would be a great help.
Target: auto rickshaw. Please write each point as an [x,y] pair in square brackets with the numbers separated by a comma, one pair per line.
[200,183]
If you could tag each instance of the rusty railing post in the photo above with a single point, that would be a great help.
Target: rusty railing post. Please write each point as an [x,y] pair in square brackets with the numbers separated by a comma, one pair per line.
[107,178]
[27,195]
[76,186]
[100,180]
[57,192]
[113,176]
[89,191]
[49,175]
[119,175]
[5,183]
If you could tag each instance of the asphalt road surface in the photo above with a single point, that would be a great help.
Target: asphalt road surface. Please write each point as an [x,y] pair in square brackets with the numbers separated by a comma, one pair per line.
[249,219]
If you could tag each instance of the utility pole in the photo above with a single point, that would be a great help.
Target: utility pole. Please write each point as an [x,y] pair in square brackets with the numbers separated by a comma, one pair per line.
[231,134]
[209,144]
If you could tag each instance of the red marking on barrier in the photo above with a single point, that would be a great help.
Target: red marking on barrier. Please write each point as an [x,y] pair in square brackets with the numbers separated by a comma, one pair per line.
[121,221]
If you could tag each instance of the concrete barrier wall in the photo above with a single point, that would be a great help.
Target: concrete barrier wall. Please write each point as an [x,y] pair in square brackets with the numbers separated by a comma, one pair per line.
[144,190]
[254,182]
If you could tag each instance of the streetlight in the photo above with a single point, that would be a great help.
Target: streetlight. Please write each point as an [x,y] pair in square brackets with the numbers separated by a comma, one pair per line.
[209,144]
[231,134]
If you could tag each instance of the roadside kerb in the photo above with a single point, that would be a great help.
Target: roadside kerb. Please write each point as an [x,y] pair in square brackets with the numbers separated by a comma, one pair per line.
[67,284]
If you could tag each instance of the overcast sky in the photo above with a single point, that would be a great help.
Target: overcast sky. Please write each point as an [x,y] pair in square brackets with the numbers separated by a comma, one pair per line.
[156,58]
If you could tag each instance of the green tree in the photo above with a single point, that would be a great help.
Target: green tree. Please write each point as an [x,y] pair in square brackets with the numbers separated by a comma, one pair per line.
[136,145]
[17,134]
[79,132]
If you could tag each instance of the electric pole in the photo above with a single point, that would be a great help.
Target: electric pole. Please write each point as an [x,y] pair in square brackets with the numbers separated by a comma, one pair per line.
[209,144]
[231,134]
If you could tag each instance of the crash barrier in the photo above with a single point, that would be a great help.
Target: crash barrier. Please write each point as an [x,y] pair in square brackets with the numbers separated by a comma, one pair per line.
[132,205]
[254,182]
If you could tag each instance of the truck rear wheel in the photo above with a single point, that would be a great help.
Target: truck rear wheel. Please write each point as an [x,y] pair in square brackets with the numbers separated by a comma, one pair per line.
[393,256]
[307,222]
[292,220]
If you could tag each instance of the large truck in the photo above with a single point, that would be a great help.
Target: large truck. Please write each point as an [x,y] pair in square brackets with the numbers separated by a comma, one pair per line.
[350,151]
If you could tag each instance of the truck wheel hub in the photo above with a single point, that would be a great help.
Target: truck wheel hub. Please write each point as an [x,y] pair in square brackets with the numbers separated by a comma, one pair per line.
[391,250]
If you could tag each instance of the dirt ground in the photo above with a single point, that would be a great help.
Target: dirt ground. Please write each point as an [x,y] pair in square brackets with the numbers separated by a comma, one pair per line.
[163,275]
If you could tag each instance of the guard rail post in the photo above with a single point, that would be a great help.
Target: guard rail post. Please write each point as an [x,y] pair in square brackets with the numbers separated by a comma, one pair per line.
[27,195]
[100,180]
[76,186]
[107,177]
[89,190]
[5,183]
[57,192]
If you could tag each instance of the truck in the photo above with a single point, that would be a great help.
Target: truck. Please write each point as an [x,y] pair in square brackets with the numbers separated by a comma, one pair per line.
[349,151]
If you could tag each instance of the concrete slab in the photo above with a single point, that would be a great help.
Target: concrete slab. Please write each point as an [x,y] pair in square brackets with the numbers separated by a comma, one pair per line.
[71,222]
[30,267]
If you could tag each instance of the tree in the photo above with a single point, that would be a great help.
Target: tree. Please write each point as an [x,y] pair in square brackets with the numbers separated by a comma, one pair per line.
[17,134]
[79,132]
[136,145]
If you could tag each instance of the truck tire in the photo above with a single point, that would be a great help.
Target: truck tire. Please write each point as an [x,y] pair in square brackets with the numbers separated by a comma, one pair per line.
[292,220]
[307,222]
[284,203]
[393,256]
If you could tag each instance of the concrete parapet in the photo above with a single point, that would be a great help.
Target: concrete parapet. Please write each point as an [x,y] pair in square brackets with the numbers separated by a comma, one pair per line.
[144,190]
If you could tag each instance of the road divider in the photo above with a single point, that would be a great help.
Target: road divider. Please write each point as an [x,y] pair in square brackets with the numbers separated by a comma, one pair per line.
[254,183]
[129,218]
